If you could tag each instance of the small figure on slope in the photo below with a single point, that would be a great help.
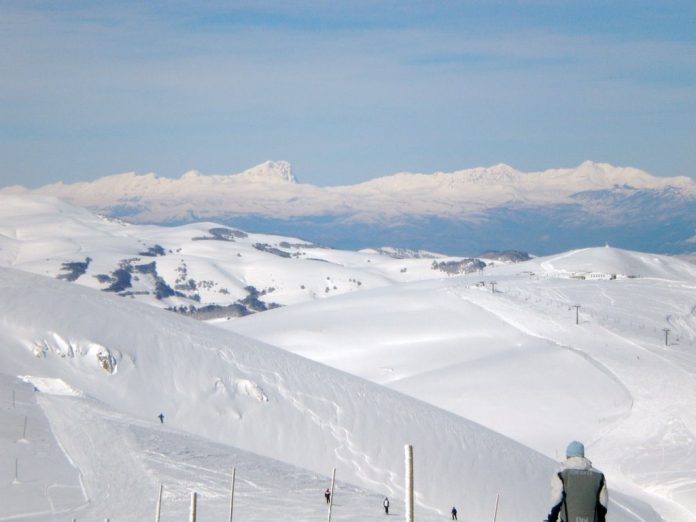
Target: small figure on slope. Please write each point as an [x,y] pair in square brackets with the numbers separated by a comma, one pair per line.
[454,513]
[579,492]
[327,495]
[161,417]
[386,505]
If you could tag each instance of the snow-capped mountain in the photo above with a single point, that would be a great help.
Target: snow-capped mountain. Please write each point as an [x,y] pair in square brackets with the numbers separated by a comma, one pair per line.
[461,212]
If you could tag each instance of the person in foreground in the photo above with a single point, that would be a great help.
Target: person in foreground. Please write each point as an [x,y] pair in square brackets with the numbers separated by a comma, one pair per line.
[579,492]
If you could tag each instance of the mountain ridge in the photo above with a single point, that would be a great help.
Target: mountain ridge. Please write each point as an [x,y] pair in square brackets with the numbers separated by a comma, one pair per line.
[481,208]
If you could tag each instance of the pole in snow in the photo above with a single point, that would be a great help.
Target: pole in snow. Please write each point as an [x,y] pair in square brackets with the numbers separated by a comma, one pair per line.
[193,507]
[16,477]
[159,504]
[577,314]
[24,430]
[234,470]
[493,283]
[495,513]
[333,482]
[408,449]
[13,398]
[666,330]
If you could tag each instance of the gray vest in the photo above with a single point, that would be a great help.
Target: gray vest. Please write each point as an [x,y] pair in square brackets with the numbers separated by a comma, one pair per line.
[581,488]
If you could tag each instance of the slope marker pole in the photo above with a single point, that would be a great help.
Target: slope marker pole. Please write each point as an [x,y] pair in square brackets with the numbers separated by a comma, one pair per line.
[193,507]
[234,470]
[495,513]
[333,482]
[159,504]
[408,449]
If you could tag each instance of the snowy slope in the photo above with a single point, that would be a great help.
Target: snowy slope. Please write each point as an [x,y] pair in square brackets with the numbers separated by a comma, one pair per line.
[125,362]
[515,361]
[116,462]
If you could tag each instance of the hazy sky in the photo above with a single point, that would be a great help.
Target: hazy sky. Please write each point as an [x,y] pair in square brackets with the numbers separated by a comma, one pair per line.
[345,91]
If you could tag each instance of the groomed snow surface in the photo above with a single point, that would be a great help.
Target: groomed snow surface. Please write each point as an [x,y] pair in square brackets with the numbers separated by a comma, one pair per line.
[488,386]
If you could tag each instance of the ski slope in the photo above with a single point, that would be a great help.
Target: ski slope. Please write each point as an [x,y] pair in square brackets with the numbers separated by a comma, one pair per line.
[125,362]
[432,362]
[514,359]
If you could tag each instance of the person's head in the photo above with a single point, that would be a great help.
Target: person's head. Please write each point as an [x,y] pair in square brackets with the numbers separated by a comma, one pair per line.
[575,449]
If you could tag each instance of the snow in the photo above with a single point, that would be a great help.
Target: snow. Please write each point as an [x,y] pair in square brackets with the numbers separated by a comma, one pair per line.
[488,386]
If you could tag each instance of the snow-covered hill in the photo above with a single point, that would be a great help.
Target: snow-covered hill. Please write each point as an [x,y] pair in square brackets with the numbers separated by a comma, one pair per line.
[204,268]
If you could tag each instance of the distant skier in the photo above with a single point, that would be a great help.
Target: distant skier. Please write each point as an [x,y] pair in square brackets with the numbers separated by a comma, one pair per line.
[579,492]
[327,495]
[454,513]
[386,505]
[161,417]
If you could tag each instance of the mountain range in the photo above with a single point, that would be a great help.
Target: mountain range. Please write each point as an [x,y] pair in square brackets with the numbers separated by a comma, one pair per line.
[461,213]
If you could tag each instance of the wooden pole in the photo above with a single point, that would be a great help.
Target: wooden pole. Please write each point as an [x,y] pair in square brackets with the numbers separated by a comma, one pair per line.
[495,513]
[408,449]
[159,504]
[333,482]
[193,507]
[234,470]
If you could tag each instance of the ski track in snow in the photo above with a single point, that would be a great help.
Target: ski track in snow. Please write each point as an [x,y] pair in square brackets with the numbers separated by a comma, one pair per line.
[300,401]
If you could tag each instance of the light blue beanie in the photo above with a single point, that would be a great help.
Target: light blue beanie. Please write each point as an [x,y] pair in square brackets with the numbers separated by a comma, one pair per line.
[575,449]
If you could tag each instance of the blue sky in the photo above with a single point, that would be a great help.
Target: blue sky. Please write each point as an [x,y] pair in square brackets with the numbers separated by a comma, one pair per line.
[345,91]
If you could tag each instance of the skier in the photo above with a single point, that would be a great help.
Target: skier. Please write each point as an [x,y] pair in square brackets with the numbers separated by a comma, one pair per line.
[327,495]
[161,417]
[579,492]
[386,505]
[454,513]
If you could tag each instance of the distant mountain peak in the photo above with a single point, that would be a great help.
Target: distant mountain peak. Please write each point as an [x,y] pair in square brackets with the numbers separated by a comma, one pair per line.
[270,171]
